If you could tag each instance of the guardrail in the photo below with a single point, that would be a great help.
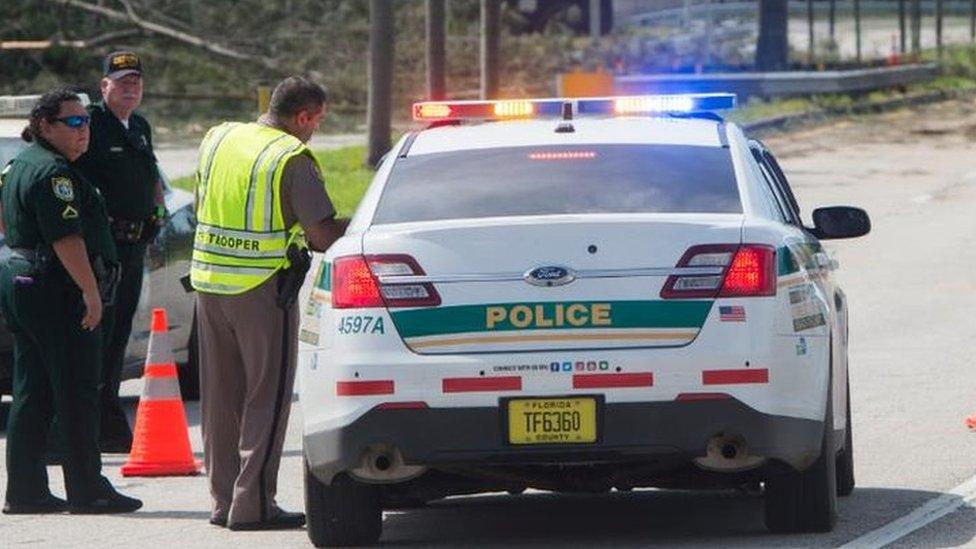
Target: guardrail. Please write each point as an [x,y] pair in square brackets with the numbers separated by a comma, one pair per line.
[779,84]
[747,9]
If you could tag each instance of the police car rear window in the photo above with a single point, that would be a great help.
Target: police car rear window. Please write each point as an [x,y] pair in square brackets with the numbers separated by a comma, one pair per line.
[552,180]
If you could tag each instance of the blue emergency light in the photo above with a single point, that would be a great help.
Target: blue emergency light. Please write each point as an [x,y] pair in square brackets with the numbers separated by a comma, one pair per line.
[523,109]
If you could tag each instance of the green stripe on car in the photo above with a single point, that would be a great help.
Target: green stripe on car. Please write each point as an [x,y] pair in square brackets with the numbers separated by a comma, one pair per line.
[497,317]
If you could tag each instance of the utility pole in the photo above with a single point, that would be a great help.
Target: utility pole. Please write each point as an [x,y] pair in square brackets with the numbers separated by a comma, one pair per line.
[490,29]
[972,20]
[938,27]
[596,22]
[380,100]
[857,28]
[436,58]
[772,49]
[810,53]
[901,24]
[916,27]
[832,17]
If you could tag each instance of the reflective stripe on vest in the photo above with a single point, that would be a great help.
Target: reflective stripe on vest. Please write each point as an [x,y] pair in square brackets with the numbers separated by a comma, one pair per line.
[241,238]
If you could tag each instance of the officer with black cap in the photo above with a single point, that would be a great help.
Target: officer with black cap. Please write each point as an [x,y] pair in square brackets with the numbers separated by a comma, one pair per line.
[121,163]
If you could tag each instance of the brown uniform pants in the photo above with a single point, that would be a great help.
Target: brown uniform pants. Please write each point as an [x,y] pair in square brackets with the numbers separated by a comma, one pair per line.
[246,395]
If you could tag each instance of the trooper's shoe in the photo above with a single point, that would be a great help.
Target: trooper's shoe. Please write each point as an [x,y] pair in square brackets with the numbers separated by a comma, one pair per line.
[48,505]
[106,503]
[218,521]
[279,520]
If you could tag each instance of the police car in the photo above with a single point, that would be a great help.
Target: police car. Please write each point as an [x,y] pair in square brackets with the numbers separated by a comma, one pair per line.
[576,295]
[167,259]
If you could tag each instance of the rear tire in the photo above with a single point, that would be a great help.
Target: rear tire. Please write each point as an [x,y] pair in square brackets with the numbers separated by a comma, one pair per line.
[806,501]
[344,513]
[845,458]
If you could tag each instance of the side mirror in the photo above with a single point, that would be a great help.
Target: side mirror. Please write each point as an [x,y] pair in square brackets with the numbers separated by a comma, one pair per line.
[840,222]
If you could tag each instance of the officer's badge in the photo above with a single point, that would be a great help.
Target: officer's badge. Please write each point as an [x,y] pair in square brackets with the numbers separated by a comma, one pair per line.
[63,188]
[69,213]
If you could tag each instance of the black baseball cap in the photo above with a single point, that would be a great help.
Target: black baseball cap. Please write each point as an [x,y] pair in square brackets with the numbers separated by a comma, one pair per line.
[121,63]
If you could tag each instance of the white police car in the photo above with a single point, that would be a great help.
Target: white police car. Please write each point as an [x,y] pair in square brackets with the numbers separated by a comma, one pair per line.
[580,295]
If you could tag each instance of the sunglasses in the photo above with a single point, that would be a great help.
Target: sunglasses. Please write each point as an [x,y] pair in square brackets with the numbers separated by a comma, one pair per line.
[76,121]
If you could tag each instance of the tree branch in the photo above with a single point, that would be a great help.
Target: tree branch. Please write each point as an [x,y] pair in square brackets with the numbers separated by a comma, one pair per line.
[130,16]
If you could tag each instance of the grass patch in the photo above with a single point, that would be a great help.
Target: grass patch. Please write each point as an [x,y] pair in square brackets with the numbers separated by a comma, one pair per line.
[346,178]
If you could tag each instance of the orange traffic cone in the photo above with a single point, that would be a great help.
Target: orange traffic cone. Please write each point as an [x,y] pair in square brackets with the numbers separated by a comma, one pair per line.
[161,445]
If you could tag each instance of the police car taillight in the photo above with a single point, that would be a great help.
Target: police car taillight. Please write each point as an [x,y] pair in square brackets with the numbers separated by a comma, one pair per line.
[724,270]
[371,281]
[752,273]
[353,285]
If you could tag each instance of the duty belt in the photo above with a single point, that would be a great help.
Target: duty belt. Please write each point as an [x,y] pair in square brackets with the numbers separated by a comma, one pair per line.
[126,231]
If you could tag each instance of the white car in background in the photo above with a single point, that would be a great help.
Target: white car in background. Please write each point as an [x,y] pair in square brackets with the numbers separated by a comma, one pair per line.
[576,295]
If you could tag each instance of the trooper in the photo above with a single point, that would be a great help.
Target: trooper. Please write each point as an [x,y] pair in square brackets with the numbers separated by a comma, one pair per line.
[121,163]
[52,288]
[261,201]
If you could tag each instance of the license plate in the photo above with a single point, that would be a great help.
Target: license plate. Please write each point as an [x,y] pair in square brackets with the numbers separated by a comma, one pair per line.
[552,421]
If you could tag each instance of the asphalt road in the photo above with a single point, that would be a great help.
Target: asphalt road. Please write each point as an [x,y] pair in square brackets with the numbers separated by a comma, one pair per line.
[913,298]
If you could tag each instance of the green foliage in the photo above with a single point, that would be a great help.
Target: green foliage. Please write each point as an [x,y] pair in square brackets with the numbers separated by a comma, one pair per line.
[346,179]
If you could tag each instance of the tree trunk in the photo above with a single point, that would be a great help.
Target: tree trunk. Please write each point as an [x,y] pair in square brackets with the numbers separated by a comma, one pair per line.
[901,25]
[490,29]
[857,29]
[772,50]
[832,16]
[938,27]
[380,80]
[436,79]
[810,37]
[916,27]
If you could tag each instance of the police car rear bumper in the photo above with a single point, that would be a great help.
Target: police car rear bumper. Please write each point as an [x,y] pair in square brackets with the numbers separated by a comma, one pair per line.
[628,432]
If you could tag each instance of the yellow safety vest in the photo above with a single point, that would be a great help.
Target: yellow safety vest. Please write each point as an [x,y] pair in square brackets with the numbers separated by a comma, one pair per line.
[241,239]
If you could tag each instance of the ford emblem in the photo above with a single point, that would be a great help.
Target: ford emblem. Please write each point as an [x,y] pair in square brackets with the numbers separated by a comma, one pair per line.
[550,276]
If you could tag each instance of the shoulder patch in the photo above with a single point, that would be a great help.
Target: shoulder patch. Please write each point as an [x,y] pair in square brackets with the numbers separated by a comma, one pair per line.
[63,188]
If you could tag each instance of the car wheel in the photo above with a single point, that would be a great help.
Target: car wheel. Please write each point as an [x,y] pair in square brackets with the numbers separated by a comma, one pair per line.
[845,458]
[189,373]
[805,501]
[343,513]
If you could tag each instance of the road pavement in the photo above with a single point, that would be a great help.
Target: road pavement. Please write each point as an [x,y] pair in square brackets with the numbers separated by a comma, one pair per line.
[912,296]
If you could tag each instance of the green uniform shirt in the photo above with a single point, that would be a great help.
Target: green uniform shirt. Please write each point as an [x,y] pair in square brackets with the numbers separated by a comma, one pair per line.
[121,163]
[46,199]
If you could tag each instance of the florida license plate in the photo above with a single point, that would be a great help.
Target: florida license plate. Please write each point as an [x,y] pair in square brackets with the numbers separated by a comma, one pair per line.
[552,421]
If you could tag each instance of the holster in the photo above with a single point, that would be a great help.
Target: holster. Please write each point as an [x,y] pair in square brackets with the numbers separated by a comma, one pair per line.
[290,280]
[108,274]
[128,231]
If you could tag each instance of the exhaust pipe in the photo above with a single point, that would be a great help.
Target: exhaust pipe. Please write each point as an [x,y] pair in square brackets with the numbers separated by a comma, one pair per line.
[728,454]
[383,463]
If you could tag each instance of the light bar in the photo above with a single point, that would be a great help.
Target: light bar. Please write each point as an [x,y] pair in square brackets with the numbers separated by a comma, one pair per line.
[487,110]
[656,104]
[19,106]
[521,109]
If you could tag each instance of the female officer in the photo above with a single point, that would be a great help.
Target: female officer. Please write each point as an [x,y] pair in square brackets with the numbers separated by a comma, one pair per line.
[57,230]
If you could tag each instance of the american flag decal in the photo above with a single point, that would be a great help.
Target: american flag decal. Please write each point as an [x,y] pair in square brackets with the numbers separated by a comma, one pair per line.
[734,313]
